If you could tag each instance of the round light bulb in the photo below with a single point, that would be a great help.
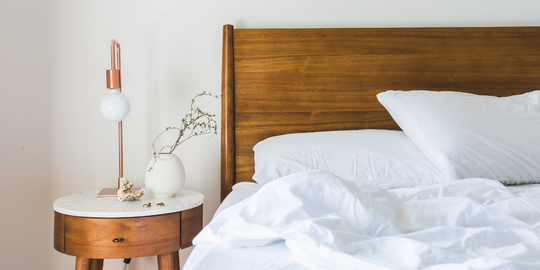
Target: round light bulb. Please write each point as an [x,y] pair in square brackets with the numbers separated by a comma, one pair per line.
[115,106]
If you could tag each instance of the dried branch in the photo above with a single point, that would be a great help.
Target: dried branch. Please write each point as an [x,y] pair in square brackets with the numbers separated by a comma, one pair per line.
[195,123]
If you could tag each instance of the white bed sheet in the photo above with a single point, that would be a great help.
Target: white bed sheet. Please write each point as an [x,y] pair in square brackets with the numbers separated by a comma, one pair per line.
[215,256]
[276,255]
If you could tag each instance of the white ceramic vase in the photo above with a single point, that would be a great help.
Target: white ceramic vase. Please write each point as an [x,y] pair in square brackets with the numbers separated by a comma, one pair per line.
[167,176]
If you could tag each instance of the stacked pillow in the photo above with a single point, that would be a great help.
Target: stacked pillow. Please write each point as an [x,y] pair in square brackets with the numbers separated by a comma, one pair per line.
[386,158]
[467,136]
[446,136]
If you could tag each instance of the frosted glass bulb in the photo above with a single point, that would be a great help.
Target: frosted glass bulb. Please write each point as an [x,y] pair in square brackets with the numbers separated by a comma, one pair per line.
[115,106]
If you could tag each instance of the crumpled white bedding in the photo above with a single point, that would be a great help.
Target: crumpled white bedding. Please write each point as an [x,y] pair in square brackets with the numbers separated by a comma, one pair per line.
[329,223]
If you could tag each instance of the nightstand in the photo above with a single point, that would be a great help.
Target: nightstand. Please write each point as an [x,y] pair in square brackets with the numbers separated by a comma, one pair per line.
[93,229]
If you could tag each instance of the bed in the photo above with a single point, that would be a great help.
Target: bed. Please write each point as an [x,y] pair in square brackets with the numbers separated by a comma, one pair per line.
[448,117]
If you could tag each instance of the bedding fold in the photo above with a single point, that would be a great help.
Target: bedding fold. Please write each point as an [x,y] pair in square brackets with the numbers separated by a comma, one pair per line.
[330,223]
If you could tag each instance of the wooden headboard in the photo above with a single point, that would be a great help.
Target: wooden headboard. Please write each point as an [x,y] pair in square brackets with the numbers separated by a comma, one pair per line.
[278,81]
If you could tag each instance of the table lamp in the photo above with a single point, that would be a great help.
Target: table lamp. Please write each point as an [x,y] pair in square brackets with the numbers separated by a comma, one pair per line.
[115,107]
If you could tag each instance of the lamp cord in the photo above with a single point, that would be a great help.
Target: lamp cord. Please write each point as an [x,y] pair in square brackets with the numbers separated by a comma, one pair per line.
[126,262]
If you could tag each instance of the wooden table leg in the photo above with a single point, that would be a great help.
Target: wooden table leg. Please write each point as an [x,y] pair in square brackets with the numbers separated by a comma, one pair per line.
[169,261]
[88,264]
[82,263]
[96,264]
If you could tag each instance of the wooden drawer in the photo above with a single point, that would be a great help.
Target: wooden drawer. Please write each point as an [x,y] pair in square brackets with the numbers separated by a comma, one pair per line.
[144,236]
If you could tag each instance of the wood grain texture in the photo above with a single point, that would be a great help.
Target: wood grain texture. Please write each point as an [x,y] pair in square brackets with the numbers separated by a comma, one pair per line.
[169,261]
[305,80]
[96,264]
[83,263]
[227,115]
[145,236]
[59,221]
[88,264]
[191,225]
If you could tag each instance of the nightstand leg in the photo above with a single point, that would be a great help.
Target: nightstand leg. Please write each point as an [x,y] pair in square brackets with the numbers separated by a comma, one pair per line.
[88,264]
[96,264]
[169,261]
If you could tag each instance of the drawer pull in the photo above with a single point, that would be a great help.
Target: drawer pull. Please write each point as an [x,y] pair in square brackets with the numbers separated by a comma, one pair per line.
[118,240]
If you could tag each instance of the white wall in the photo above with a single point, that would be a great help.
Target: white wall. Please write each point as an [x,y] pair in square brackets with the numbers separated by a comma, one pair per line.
[53,57]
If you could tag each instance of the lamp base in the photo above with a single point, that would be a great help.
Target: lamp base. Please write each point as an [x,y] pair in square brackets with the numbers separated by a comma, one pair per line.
[112,192]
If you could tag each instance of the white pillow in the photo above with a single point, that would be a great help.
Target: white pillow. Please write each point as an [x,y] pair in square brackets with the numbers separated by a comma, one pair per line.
[468,135]
[385,157]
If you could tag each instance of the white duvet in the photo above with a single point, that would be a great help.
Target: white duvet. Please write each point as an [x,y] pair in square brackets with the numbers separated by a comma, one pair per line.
[330,223]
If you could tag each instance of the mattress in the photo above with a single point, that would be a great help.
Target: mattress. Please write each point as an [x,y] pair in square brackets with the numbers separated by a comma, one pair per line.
[277,255]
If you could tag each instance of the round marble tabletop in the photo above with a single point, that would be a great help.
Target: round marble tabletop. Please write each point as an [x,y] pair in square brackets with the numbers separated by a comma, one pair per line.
[87,204]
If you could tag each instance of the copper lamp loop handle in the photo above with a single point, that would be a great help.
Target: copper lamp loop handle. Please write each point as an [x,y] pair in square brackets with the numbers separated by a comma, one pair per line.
[113,74]
[115,46]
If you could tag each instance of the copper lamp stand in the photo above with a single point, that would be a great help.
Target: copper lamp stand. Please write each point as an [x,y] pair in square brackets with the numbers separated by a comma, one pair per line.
[114,82]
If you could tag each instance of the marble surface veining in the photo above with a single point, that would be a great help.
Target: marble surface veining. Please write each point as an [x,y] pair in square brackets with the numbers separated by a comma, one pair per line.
[87,204]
